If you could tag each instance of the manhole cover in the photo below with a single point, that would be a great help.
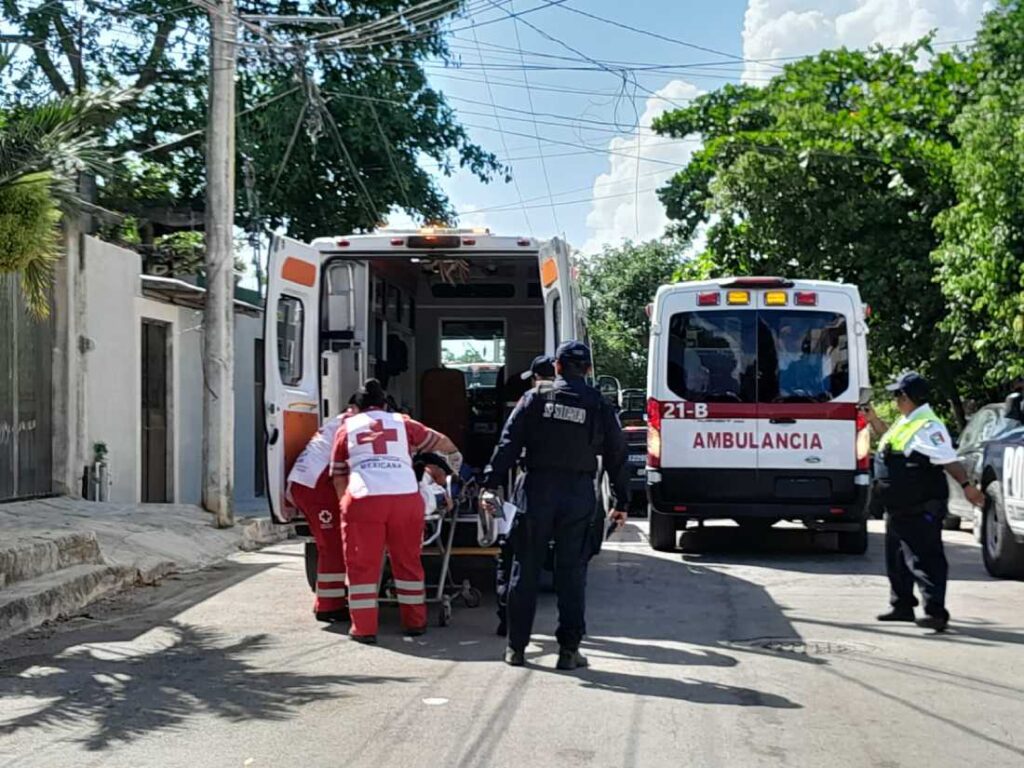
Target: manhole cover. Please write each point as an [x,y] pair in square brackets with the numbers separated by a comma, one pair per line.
[797,646]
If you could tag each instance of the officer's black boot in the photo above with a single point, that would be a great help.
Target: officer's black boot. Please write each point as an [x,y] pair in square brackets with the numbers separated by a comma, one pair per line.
[937,621]
[898,614]
[570,659]
[515,658]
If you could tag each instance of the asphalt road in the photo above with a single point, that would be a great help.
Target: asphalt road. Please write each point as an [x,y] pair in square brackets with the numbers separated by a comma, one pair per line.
[752,653]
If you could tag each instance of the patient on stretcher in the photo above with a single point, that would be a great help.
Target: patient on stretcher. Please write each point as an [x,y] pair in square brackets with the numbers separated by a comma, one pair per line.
[431,474]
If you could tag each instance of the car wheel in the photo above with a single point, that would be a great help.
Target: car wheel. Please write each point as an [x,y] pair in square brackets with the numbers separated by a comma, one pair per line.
[1002,553]
[312,558]
[951,523]
[663,534]
[854,542]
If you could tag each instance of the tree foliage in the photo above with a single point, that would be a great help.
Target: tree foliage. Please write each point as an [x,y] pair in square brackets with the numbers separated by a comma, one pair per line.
[619,284]
[43,148]
[835,170]
[981,258]
[332,132]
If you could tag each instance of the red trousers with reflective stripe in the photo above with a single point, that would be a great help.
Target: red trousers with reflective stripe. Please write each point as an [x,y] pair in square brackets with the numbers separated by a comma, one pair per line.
[320,507]
[368,526]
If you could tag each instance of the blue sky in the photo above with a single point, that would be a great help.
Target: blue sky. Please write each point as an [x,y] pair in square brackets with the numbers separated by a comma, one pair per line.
[566,70]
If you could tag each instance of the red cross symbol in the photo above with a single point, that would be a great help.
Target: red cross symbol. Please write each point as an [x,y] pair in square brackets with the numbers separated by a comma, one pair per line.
[379,436]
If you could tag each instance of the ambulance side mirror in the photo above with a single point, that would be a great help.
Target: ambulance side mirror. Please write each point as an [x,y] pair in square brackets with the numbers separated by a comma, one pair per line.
[610,389]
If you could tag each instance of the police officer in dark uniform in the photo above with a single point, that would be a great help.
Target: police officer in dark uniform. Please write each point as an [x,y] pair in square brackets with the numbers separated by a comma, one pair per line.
[542,369]
[911,463]
[563,428]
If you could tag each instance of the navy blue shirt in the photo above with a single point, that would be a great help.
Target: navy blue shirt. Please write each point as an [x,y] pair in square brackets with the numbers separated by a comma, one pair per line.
[563,426]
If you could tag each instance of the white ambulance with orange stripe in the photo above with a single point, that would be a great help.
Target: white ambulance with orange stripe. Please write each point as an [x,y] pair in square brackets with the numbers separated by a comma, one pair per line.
[754,386]
[411,308]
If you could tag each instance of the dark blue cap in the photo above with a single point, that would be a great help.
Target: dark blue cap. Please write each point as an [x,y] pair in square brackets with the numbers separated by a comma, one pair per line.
[543,366]
[573,351]
[913,385]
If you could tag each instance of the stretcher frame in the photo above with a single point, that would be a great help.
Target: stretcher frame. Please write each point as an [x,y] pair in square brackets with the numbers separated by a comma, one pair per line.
[439,537]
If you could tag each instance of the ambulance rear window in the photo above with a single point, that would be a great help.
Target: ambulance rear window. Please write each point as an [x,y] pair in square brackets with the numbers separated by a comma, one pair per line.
[803,356]
[758,356]
[712,356]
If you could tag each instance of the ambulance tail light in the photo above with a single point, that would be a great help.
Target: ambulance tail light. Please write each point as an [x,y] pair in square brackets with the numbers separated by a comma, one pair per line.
[397,241]
[863,443]
[653,433]
[805,299]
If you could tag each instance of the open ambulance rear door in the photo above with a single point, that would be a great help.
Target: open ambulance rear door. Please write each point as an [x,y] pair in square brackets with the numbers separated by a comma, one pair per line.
[556,288]
[291,340]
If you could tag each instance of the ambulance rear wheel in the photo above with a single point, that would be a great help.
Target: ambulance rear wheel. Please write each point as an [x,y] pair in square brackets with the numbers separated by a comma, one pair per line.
[854,542]
[663,534]
[312,556]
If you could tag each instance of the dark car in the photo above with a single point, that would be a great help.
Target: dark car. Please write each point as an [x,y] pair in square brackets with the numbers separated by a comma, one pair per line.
[988,424]
[633,417]
[1001,474]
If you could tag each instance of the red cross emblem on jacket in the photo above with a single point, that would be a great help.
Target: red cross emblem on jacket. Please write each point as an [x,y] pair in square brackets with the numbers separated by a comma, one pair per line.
[378,437]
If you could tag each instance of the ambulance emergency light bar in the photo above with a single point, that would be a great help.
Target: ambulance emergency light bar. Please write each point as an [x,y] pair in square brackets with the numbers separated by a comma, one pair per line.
[740,293]
[429,238]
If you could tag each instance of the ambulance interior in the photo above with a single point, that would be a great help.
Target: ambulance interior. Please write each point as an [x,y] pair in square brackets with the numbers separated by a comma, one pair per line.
[448,335]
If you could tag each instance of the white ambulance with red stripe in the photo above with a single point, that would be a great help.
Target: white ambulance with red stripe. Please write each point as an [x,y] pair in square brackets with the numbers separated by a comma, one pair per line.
[752,416]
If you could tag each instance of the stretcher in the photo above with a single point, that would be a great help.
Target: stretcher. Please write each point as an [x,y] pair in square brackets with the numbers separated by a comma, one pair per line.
[439,530]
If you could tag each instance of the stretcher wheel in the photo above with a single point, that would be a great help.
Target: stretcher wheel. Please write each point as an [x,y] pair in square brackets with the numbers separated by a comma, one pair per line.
[471,596]
[444,613]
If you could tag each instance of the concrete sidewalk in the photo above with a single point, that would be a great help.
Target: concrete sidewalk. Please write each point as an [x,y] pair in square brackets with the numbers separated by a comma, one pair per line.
[58,554]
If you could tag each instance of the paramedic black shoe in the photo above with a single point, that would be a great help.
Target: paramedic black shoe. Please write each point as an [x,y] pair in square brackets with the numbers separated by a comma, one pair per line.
[569,660]
[365,639]
[937,623]
[331,616]
[515,658]
[897,614]
[415,631]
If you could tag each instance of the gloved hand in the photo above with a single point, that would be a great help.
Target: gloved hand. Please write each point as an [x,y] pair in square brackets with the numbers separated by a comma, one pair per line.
[618,516]
[490,502]
[454,460]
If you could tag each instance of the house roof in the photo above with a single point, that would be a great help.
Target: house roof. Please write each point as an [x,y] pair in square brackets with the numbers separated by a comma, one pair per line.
[175,291]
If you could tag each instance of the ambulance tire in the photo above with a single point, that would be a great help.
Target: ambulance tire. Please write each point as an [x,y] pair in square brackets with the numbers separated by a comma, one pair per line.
[662,532]
[1002,553]
[312,556]
[756,524]
[854,542]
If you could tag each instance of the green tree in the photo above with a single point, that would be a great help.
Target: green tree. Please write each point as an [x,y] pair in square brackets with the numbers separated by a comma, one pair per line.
[619,283]
[335,128]
[981,258]
[835,170]
[43,149]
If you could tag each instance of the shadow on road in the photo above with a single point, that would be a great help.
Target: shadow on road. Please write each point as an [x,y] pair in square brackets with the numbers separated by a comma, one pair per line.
[801,550]
[130,669]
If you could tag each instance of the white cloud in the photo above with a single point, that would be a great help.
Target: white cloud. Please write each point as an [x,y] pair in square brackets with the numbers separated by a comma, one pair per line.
[618,211]
[777,28]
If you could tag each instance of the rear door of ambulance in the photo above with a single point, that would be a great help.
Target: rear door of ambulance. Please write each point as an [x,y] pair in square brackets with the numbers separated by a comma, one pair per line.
[291,340]
[811,338]
[703,391]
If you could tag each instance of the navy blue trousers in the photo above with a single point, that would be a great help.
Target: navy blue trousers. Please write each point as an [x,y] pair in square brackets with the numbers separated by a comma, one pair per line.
[559,507]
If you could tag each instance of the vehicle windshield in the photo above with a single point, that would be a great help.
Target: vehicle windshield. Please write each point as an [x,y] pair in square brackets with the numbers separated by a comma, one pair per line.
[765,356]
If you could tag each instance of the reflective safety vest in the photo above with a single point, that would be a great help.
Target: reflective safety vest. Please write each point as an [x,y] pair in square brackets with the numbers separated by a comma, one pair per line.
[379,460]
[908,482]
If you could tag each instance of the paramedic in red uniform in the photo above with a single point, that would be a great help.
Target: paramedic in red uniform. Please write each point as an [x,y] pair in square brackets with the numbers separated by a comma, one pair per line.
[311,490]
[381,506]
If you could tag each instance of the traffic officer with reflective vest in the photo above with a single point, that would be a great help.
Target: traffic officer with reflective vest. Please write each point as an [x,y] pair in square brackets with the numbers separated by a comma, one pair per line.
[381,506]
[541,370]
[311,490]
[563,427]
[911,462]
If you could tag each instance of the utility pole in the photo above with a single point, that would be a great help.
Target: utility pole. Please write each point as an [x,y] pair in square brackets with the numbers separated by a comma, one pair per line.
[218,313]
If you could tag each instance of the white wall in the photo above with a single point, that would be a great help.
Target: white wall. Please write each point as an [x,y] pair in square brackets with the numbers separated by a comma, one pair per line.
[112,381]
[114,314]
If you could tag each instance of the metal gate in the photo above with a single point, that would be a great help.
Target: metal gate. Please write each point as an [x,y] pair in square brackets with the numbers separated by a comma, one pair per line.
[26,397]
